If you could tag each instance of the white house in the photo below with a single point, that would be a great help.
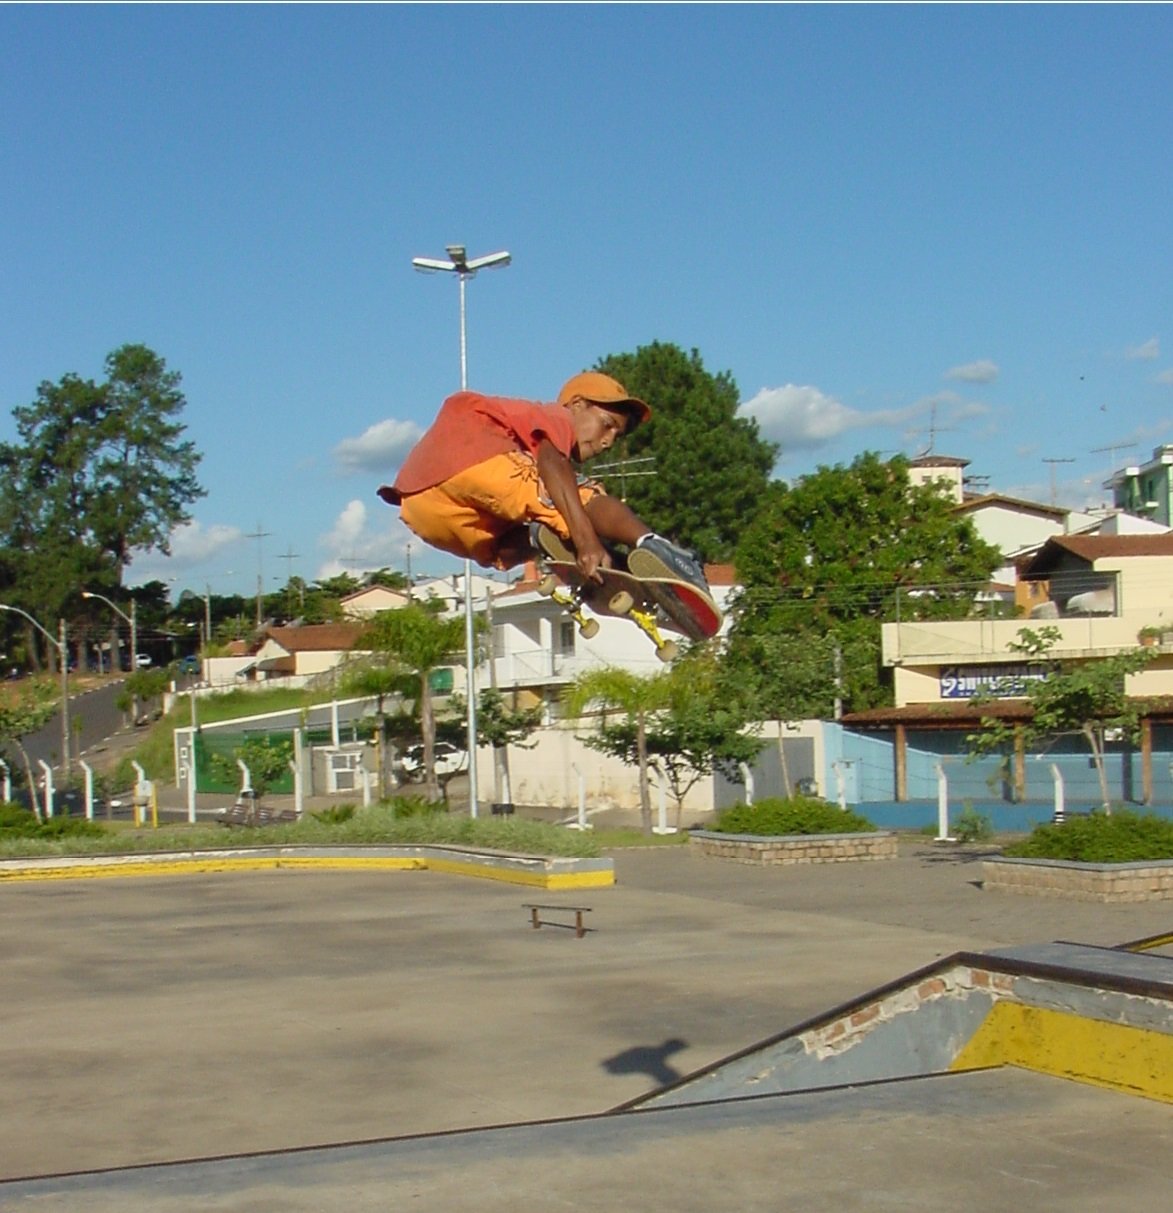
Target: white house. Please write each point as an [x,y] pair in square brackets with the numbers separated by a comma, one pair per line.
[371,599]
[537,649]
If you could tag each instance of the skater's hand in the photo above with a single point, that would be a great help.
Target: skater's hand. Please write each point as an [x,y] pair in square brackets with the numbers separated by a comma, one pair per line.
[592,557]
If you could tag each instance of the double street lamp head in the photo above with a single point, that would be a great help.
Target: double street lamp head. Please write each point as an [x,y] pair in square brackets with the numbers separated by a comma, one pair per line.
[459,263]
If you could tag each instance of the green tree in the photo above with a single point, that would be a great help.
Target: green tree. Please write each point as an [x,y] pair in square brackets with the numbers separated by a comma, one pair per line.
[24,710]
[43,497]
[338,586]
[710,466]
[695,723]
[638,698]
[416,640]
[98,471]
[267,760]
[144,470]
[391,578]
[500,726]
[829,559]
[141,687]
[383,681]
[1087,697]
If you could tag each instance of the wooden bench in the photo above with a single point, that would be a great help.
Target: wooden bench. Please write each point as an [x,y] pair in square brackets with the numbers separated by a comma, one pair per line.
[536,919]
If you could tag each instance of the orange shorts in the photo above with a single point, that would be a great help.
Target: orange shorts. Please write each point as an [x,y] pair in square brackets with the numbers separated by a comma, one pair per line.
[470,513]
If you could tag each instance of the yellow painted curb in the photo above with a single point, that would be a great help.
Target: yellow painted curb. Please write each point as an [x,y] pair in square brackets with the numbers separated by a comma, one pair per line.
[186,865]
[1138,1061]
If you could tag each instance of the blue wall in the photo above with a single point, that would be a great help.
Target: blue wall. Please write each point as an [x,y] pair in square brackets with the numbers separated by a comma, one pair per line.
[868,769]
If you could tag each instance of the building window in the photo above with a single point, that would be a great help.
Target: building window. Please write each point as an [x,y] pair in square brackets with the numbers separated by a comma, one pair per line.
[566,631]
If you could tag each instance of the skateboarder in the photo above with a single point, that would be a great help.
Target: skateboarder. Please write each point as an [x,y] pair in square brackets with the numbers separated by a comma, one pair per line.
[492,480]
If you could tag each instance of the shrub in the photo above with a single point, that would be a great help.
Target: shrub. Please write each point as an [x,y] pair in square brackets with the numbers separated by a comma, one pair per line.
[972,826]
[18,822]
[416,806]
[801,815]
[336,814]
[1123,837]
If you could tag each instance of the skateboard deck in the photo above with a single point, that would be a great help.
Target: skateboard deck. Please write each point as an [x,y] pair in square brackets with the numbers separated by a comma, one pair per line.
[650,603]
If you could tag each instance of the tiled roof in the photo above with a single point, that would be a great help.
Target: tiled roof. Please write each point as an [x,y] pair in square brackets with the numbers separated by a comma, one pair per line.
[317,637]
[1095,547]
[970,504]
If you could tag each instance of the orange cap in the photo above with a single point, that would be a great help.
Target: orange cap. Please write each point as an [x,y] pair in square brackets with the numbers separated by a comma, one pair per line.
[602,389]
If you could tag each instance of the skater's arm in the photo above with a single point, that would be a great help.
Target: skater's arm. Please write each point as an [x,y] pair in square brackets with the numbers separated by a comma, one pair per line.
[558,476]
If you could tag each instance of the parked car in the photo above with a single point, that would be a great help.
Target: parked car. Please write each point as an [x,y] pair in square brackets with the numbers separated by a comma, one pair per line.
[142,661]
[190,664]
[449,760]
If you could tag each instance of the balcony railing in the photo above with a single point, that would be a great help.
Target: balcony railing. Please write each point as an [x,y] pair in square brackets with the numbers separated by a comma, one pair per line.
[933,641]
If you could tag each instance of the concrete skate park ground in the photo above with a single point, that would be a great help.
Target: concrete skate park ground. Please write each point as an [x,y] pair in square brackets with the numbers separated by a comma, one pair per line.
[154,1019]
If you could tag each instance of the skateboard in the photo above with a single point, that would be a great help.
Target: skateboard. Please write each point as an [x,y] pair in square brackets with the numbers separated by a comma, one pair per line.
[650,603]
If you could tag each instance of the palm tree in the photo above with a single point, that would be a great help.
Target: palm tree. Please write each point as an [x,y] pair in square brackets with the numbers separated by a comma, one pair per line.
[639,698]
[416,640]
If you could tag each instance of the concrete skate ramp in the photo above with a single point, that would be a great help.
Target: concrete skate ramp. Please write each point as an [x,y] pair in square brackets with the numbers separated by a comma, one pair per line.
[945,1085]
[990,1140]
[1097,1015]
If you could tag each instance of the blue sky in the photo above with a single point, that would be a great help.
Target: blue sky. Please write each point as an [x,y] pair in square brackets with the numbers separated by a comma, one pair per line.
[891,225]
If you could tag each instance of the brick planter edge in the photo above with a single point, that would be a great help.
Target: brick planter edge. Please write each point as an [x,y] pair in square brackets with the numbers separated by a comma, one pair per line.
[783,849]
[1145,881]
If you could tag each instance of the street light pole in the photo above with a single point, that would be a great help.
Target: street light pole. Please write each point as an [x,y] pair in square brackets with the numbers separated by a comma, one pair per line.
[59,641]
[132,620]
[464,269]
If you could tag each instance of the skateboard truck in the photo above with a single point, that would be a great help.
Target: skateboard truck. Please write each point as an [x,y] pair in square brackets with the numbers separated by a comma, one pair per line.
[620,603]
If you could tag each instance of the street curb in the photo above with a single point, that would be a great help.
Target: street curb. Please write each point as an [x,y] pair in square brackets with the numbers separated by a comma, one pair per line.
[538,872]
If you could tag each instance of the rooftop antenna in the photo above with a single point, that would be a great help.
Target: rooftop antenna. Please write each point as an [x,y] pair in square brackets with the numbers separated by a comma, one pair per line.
[642,465]
[1052,462]
[934,430]
[1111,450]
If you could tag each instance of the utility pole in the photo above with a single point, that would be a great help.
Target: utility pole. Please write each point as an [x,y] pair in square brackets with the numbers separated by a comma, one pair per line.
[259,535]
[289,557]
[1052,462]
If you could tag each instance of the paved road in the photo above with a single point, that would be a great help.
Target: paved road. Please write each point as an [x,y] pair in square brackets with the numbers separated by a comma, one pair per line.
[93,718]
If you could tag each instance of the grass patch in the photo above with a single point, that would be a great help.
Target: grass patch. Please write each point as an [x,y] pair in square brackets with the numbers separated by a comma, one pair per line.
[378,824]
[1123,837]
[800,815]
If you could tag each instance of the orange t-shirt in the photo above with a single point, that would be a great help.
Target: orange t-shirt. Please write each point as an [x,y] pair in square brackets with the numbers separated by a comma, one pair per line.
[471,428]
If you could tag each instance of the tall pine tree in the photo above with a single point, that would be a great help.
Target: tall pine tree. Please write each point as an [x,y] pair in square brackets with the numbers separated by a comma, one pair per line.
[710,467]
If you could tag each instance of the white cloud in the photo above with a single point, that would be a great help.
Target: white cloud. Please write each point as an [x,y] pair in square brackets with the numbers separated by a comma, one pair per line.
[380,448]
[1145,352]
[799,417]
[1164,376]
[982,371]
[805,418]
[356,544]
[192,545]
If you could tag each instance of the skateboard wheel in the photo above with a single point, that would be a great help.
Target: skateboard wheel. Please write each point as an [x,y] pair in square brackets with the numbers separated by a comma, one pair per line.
[547,584]
[667,650]
[621,603]
[589,628]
